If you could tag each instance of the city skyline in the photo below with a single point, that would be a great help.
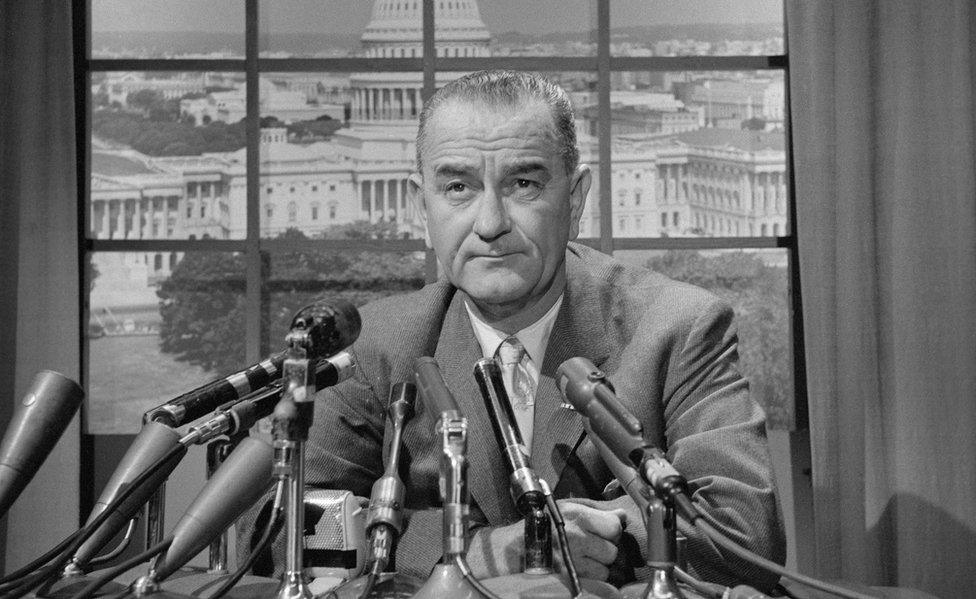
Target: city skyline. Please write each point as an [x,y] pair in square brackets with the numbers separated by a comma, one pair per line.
[500,16]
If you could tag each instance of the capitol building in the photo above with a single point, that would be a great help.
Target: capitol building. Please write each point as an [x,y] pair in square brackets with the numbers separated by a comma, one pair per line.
[685,181]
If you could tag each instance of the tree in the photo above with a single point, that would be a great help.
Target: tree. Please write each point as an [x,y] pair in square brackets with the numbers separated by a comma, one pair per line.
[759,294]
[168,137]
[202,304]
[144,99]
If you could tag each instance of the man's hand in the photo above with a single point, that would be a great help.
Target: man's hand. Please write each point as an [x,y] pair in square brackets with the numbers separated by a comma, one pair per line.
[593,534]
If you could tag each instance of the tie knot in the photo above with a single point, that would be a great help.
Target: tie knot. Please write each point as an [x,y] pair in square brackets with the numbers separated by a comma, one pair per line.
[511,351]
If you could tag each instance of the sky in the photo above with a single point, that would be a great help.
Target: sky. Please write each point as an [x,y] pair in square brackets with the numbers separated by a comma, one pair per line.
[344,16]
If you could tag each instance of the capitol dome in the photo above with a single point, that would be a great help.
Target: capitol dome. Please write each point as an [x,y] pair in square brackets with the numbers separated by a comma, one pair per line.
[395,29]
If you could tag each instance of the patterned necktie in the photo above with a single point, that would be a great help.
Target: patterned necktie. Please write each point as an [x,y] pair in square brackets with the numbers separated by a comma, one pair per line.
[515,366]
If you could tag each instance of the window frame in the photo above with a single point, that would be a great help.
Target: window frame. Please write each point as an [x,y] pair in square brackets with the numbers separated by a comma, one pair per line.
[604,64]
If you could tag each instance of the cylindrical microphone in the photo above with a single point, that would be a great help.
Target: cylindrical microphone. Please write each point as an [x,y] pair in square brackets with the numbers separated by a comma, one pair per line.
[38,422]
[238,416]
[432,386]
[527,493]
[384,520]
[152,444]
[587,389]
[239,482]
[329,326]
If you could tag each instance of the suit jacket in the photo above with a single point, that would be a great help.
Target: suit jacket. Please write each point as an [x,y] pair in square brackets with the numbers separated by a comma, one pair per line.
[670,351]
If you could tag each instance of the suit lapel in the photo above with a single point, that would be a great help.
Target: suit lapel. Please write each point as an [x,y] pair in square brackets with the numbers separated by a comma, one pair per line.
[578,331]
[457,352]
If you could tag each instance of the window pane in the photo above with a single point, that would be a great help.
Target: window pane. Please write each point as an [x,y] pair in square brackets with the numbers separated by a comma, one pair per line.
[160,324]
[696,27]
[170,29]
[336,149]
[313,28]
[299,277]
[756,284]
[695,155]
[466,28]
[167,156]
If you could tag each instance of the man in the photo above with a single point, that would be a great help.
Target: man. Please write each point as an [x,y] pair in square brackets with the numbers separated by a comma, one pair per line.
[500,193]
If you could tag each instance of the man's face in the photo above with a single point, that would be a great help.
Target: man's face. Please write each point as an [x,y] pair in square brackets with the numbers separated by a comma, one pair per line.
[498,204]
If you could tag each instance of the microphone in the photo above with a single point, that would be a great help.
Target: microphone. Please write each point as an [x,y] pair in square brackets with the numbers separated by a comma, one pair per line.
[531,497]
[152,444]
[589,392]
[433,388]
[237,416]
[527,493]
[384,521]
[38,422]
[329,326]
[239,482]
[451,577]
[334,540]
[526,489]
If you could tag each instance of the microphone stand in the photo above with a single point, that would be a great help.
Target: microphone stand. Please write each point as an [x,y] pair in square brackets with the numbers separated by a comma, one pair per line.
[452,577]
[292,419]
[384,520]
[659,521]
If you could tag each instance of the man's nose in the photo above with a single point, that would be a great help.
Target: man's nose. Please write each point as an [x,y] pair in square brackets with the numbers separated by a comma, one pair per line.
[492,220]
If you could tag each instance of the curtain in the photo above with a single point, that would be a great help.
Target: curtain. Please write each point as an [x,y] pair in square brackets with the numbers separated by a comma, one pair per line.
[38,251]
[882,100]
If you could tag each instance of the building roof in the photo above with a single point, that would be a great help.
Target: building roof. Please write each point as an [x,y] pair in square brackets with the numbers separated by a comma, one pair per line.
[739,139]
[116,164]
[397,21]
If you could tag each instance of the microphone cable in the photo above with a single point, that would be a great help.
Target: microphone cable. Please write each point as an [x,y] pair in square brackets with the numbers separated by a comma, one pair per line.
[18,588]
[705,589]
[462,565]
[272,527]
[38,562]
[371,578]
[109,574]
[104,559]
[719,538]
[560,524]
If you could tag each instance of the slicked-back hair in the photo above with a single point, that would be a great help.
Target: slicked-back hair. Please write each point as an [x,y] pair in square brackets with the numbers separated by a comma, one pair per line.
[503,88]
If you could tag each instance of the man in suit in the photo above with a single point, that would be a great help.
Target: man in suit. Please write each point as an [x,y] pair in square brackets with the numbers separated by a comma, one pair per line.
[500,193]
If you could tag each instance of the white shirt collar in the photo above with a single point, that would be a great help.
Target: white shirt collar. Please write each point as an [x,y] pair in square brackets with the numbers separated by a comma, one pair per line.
[535,337]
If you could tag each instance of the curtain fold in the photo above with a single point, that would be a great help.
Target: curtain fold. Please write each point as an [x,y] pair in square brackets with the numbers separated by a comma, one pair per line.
[883,109]
[39,196]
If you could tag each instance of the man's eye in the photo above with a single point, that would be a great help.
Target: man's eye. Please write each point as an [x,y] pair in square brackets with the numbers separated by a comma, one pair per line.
[524,183]
[456,187]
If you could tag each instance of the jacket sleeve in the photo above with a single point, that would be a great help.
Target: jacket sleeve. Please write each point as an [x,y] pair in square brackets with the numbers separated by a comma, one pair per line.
[716,437]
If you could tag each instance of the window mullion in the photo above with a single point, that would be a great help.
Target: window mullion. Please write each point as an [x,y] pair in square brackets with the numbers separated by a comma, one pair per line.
[253,329]
[603,118]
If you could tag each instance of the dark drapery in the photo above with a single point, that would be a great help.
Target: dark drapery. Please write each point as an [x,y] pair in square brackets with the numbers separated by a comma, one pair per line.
[39,297]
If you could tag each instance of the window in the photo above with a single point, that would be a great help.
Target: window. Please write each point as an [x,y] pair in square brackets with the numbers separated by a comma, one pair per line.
[301,106]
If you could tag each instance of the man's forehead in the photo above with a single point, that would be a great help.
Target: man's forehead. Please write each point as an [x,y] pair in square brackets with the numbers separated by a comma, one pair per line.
[460,124]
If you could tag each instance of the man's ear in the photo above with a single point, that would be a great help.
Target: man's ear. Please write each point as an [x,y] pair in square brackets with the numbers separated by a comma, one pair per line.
[415,191]
[578,190]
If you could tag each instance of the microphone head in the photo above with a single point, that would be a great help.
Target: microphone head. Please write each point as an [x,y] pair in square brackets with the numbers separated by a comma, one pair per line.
[153,443]
[335,534]
[432,386]
[38,422]
[331,325]
[576,379]
[239,482]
